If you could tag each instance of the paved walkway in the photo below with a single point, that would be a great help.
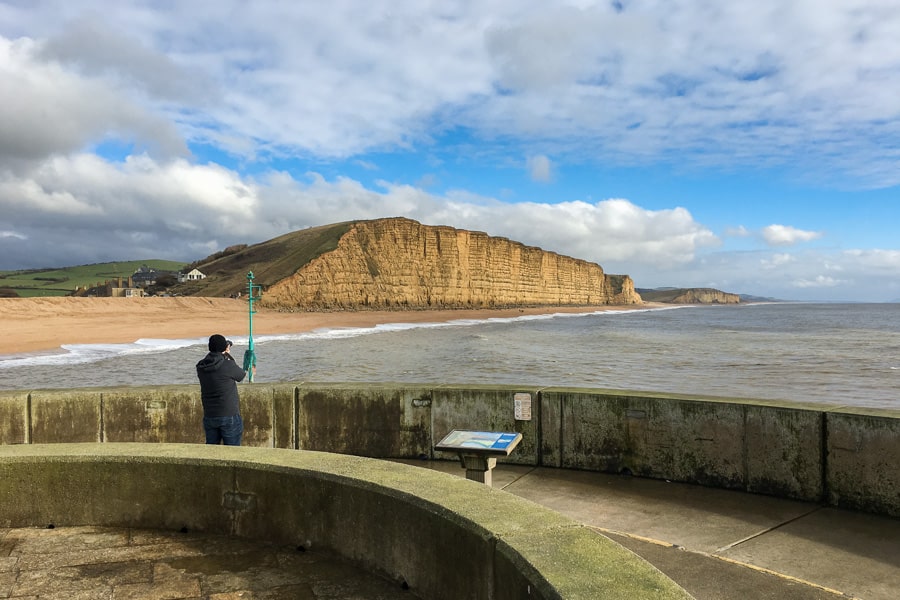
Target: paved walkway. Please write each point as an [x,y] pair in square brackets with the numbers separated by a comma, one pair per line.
[720,544]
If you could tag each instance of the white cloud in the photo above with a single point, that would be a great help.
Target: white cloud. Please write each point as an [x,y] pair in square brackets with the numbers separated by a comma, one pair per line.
[785,235]
[367,165]
[46,110]
[74,209]
[776,260]
[728,84]
[887,261]
[540,168]
[739,231]
[821,281]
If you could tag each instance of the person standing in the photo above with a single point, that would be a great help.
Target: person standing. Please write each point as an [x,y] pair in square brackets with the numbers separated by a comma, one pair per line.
[219,375]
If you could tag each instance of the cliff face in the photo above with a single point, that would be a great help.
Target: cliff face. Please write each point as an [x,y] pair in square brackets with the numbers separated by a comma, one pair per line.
[706,296]
[400,263]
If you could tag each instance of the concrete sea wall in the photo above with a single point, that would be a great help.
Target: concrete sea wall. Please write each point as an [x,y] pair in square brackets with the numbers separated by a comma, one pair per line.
[837,455]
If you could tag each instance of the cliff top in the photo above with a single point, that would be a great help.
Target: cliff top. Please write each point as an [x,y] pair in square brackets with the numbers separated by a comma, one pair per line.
[271,261]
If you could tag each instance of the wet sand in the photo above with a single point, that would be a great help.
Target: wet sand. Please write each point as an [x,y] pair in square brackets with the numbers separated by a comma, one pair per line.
[33,324]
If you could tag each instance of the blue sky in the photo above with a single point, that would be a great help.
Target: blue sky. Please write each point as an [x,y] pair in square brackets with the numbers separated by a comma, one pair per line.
[749,146]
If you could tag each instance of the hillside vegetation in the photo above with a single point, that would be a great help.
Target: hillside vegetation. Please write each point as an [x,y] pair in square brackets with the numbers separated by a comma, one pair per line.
[63,281]
[270,261]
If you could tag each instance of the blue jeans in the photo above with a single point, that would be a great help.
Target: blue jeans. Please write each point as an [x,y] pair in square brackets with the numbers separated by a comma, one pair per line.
[228,430]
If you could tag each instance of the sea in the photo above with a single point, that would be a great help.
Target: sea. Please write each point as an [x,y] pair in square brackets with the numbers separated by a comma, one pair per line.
[829,353]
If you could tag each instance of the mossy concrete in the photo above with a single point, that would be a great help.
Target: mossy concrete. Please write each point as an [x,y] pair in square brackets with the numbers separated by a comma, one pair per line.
[759,446]
[444,536]
[378,420]
[863,460]
[15,415]
[837,455]
[66,416]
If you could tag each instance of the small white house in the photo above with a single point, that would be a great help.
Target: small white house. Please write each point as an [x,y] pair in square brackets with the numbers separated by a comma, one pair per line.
[192,275]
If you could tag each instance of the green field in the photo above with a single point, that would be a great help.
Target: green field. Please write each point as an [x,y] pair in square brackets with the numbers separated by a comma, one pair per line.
[62,282]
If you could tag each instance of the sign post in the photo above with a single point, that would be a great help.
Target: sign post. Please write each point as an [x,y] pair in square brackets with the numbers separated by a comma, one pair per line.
[249,354]
[478,450]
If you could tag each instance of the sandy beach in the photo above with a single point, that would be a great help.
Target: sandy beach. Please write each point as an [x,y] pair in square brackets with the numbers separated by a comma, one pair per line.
[33,324]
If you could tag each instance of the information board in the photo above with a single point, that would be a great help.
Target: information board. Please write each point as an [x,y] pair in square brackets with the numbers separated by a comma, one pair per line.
[481,442]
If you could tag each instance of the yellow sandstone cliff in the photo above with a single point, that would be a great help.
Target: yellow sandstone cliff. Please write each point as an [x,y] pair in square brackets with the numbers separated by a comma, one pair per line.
[706,296]
[401,264]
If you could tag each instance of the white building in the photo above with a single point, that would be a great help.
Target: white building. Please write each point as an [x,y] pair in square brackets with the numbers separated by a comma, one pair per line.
[192,275]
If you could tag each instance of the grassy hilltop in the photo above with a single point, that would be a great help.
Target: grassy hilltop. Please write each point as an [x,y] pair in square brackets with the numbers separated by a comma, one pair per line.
[271,261]
[32,283]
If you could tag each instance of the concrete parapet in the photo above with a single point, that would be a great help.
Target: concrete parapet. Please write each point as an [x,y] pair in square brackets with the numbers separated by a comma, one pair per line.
[681,439]
[378,420]
[443,536]
[15,418]
[863,447]
[764,447]
[66,416]
[157,414]
[284,416]
[804,451]
[783,449]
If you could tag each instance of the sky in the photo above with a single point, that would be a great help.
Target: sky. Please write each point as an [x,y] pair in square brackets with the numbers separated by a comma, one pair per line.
[751,146]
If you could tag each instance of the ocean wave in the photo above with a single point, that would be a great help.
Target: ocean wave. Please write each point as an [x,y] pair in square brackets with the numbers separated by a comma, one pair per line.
[73,354]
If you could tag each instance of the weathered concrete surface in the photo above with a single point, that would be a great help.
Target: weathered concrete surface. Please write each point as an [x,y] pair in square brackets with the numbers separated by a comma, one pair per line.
[685,440]
[441,535]
[864,459]
[65,416]
[379,420]
[15,415]
[100,563]
[152,414]
[766,447]
[284,413]
[782,446]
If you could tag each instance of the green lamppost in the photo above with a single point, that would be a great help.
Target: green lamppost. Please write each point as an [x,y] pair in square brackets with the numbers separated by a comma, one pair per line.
[250,355]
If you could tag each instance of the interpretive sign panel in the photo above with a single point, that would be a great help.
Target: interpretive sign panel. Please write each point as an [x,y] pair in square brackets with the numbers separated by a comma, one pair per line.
[480,442]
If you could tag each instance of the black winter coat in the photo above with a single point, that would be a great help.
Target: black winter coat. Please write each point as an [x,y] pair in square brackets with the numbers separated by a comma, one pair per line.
[218,377]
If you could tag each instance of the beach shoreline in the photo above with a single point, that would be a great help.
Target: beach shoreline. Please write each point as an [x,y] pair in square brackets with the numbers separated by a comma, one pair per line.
[48,323]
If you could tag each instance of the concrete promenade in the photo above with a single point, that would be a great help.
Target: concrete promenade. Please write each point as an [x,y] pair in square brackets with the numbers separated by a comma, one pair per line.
[719,544]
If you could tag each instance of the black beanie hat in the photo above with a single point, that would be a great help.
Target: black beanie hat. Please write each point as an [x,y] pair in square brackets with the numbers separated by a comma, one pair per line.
[217,343]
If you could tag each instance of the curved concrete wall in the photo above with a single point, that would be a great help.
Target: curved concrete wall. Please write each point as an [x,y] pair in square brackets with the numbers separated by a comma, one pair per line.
[446,537]
[839,455]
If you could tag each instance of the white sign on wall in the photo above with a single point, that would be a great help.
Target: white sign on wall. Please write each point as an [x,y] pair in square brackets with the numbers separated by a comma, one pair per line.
[522,406]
